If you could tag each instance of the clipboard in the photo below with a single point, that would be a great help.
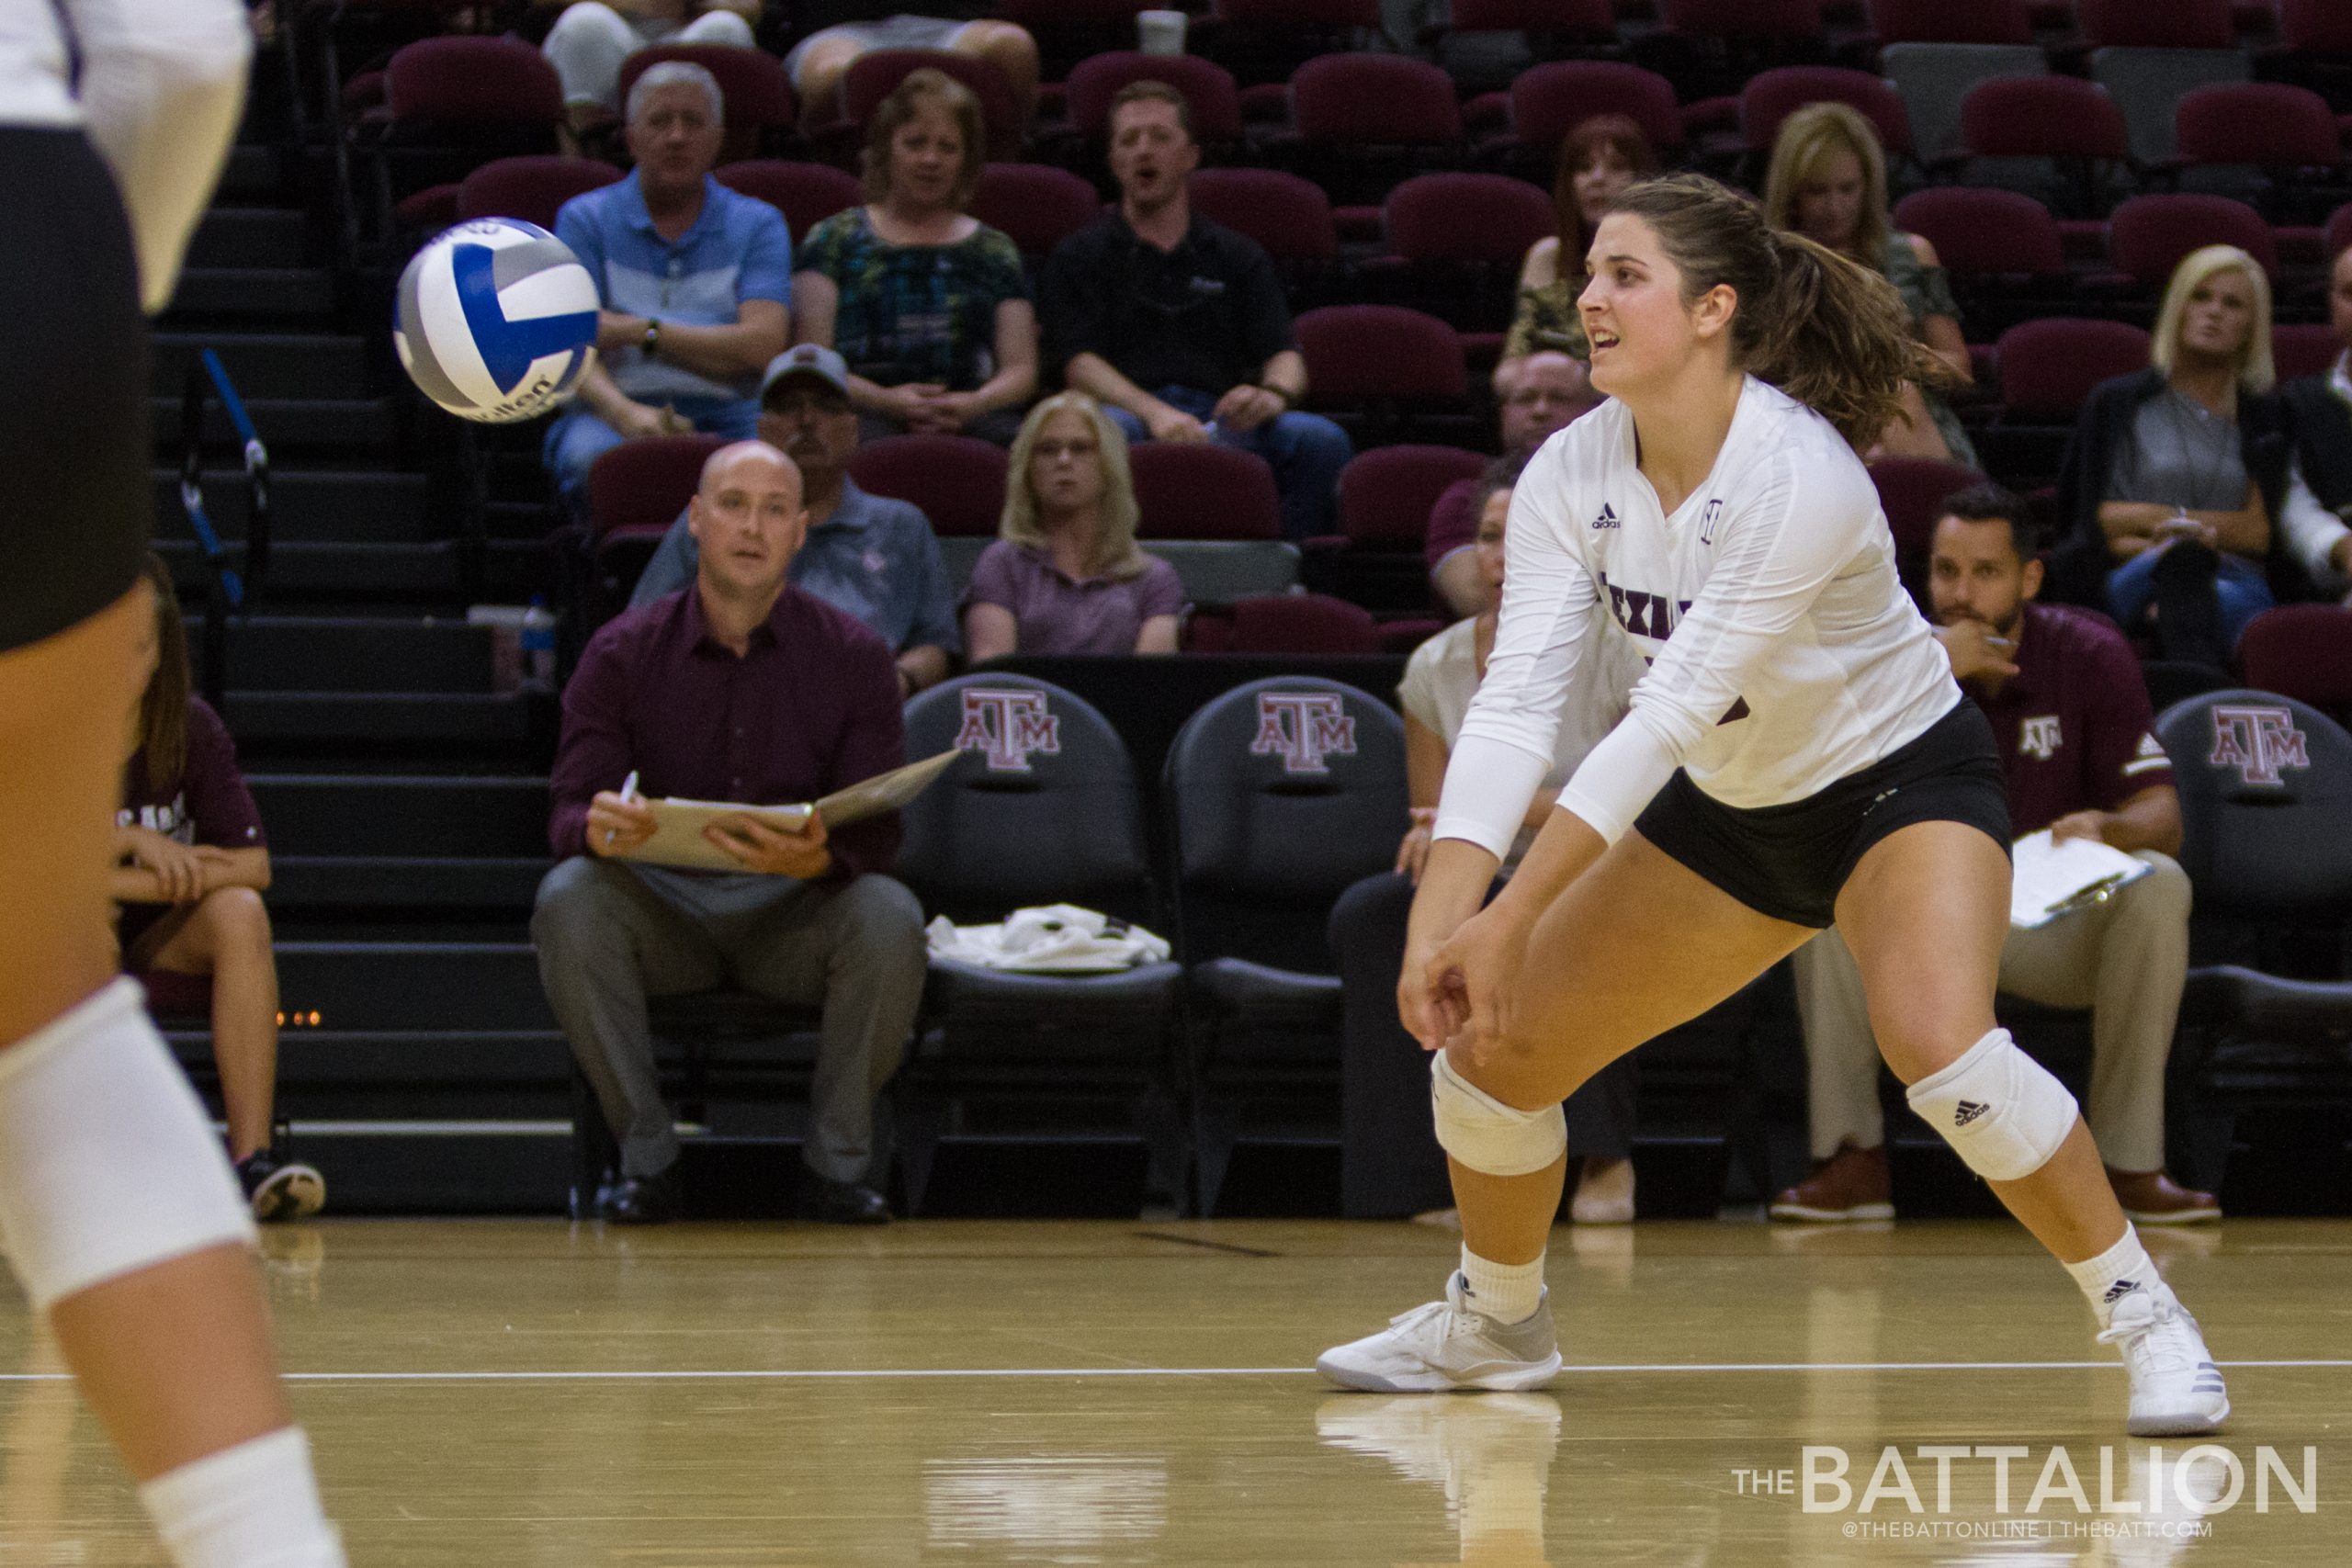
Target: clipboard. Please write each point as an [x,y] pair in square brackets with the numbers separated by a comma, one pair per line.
[2053,880]
[678,838]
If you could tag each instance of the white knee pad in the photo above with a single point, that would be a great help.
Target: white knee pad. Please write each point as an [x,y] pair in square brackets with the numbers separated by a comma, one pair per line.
[1487,1135]
[1998,1106]
[108,1162]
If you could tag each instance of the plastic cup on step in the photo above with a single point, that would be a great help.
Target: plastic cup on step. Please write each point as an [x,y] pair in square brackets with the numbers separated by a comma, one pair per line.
[1160,32]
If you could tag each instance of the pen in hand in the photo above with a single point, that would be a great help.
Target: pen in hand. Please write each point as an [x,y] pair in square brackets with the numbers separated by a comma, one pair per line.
[628,793]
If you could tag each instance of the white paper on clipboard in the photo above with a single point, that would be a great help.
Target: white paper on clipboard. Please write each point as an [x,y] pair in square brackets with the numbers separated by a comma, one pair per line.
[2051,879]
[678,838]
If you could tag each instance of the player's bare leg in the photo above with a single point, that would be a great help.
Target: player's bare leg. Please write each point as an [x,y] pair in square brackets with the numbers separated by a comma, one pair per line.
[1634,946]
[1925,914]
[156,1305]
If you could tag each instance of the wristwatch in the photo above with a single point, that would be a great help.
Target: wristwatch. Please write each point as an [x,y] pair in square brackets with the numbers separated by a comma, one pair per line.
[652,334]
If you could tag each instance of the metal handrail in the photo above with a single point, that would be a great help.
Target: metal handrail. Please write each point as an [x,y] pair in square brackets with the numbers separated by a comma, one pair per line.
[225,591]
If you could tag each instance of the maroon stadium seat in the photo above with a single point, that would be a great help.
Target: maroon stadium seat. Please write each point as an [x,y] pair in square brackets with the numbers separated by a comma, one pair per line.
[957,481]
[473,82]
[1981,232]
[2259,122]
[1290,216]
[1356,351]
[1550,100]
[1375,100]
[1037,206]
[1197,490]
[1302,624]
[806,194]
[1208,89]
[2338,234]
[2042,117]
[1579,22]
[1770,97]
[1386,495]
[2144,24]
[2315,27]
[2303,651]
[2147,236]
[2303,348]
[531,188]
[1748,19]
[755,94]
[1951,21]
[637,490]
[1911,491]
[874,76]
[1301,13]
[2049,366]
[1479,217]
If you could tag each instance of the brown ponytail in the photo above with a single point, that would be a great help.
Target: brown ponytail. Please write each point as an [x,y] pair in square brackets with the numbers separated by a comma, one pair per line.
[1831,333]
[162,709]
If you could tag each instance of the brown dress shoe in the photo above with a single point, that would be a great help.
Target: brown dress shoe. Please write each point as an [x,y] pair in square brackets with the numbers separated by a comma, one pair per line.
[1852,1184]
[2152,1198]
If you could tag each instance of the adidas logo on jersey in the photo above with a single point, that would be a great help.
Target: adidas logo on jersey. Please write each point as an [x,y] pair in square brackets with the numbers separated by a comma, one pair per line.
[1608,518]
[1969,1109]
[2118,1290]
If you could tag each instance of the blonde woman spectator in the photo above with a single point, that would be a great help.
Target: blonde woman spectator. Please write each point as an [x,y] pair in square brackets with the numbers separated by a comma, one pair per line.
[1065,575]
[591,40]
[927,304]
[1599,159]
[2176,473]
[1827,182]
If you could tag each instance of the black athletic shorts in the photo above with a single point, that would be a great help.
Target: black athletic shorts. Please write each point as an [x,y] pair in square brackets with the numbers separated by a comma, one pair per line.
[74,501]
[1790,862]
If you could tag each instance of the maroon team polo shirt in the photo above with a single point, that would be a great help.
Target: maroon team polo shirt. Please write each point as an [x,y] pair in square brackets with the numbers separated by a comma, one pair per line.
[810,708]
[2075,726]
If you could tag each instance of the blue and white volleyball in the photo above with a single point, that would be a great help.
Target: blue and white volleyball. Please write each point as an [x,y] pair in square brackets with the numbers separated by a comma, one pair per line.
[496,321]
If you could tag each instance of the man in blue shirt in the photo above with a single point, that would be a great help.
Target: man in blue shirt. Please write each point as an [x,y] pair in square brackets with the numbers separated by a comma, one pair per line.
[696,282]
[868,556]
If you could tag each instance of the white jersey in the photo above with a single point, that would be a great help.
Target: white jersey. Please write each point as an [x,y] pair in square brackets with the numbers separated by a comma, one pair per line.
[1784,653]
[161,86]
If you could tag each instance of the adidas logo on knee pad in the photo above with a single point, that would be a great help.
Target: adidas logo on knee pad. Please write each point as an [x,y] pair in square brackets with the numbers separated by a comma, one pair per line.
[1969,1109]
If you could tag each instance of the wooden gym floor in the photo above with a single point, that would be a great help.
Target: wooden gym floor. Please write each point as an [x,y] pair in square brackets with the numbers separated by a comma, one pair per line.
[532,1392]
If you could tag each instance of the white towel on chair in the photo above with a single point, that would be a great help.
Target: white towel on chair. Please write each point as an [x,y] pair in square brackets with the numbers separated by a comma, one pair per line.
[1056,938]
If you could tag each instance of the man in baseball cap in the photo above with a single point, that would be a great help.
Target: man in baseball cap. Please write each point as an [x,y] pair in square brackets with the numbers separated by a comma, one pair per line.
[868,555]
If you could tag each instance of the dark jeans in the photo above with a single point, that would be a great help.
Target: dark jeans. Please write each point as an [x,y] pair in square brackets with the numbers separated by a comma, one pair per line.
[1390,1164]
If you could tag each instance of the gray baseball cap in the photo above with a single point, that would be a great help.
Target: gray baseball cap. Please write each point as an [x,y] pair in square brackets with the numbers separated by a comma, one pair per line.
[806,359]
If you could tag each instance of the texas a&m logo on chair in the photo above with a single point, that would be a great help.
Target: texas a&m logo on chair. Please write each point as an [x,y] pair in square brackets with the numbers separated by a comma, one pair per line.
[2258,742]
[1303,727]
[1006,727]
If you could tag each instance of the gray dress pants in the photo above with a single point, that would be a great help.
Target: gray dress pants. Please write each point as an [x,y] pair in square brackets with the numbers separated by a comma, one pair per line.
[611,934]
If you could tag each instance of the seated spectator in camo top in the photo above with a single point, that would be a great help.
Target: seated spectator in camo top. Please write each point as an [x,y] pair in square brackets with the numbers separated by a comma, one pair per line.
[872,557]
[192,866]
[927,304]
[696,282]
[818,62]
[1065,575]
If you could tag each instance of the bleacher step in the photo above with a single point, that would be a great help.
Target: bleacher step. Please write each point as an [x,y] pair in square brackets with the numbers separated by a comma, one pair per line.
[340,424]
[278,723]
[386,815]
[309,367]
[308,574]
[233,236]
[307,890]
[340,653]
[279,293]
[355,506]
[392,987]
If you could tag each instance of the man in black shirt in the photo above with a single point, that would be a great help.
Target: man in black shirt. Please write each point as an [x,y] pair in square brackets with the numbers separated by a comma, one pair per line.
[1178,325]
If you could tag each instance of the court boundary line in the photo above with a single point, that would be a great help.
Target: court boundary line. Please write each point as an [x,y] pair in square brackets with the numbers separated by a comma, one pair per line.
[856,1374]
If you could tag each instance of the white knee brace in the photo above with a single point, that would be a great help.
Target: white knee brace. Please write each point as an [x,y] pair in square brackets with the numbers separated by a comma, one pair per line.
[1487,1135]
[108,1162]
[1998,1106]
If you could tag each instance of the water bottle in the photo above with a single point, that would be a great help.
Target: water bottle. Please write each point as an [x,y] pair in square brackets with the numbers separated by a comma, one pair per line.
[539,643]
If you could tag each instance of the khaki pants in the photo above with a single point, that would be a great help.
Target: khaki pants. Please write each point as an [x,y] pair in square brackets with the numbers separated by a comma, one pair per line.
[2125,959]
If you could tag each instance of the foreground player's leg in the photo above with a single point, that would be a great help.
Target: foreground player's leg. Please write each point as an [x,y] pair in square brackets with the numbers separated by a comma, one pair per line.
[1633,947]
[117,1207]
[1925,914]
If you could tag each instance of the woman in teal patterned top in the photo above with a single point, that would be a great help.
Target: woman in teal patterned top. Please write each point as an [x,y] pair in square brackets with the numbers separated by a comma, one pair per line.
[1827,182]
[927,304]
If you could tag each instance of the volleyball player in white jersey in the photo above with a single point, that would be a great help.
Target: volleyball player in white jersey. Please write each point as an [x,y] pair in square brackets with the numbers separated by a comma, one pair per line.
[1798,755]
[118,1210]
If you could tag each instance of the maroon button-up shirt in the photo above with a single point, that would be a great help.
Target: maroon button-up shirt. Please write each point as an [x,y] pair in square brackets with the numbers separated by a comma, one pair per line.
[2074,723]
[810,708]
